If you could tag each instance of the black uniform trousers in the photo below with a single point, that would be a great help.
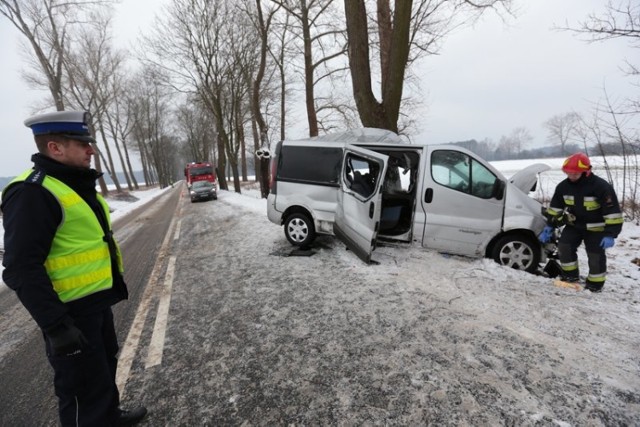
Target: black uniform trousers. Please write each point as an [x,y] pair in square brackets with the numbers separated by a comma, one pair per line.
[85,383]
[570,240]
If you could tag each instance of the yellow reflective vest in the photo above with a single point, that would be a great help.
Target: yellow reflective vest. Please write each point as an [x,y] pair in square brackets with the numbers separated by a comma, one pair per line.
[79,262]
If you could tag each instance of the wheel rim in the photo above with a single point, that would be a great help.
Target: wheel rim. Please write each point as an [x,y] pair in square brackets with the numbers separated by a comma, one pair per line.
[298,230]
[516,255]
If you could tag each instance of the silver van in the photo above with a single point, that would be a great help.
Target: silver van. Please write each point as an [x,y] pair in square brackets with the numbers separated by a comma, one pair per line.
[368,185]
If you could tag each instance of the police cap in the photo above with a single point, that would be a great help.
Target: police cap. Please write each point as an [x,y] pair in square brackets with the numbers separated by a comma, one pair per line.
[70,124]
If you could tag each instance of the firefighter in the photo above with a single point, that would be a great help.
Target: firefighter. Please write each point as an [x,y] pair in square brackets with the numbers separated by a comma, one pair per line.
[587,206]
[66,268]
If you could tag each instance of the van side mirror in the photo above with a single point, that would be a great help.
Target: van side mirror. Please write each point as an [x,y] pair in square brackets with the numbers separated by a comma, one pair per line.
[498,189]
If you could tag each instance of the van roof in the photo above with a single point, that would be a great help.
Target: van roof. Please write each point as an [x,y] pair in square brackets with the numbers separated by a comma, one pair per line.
[360,135]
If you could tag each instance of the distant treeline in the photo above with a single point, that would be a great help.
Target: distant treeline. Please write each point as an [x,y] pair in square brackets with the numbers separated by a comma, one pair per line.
[491,153]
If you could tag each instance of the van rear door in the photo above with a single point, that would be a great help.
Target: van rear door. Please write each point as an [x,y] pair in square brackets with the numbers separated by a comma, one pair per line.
[357,217]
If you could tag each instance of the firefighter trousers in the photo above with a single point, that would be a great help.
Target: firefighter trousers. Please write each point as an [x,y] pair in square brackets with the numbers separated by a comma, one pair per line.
[85,383]
[570,240]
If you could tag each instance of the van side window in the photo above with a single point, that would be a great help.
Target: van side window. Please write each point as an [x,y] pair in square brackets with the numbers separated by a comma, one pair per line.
[482,180]
[462,173]
[317,165]
[361,175]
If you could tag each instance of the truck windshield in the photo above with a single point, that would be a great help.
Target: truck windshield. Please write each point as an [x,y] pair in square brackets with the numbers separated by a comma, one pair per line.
[205,170]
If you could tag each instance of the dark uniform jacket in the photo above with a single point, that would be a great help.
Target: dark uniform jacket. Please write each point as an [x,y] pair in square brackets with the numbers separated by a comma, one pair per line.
[590,200]
[31,215]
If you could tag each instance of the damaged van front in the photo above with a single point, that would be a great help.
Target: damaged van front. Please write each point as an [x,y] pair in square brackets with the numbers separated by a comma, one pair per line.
[517,245]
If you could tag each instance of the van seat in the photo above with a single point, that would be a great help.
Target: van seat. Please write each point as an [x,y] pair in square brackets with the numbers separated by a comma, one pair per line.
[389,217]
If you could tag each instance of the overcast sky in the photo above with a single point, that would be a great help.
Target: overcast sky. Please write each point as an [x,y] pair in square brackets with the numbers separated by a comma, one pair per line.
[488,79]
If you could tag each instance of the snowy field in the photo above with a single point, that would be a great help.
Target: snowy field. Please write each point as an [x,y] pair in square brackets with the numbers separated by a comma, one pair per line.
[465,340]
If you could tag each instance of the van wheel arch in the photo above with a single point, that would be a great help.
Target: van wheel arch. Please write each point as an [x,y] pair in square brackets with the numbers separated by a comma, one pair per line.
[299,228]
[518,250]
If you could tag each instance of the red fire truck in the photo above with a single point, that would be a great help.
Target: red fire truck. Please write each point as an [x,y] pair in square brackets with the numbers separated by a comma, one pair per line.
[196,171]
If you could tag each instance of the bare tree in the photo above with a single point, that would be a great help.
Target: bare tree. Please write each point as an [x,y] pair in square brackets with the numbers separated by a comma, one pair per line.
[618,20]
[245,67]
[192,45]
[48,27]
[510,146]
[562,127]
[151,128]
[195,126]
[89,68]
[521,138]
[613,134]
[260,129]
[279,51]
[119,122]
[616,124]
[407,31]
[323,47]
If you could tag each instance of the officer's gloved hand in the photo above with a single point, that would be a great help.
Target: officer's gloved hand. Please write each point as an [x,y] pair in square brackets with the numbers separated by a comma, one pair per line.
[545,234]
[607,242]
[65,339]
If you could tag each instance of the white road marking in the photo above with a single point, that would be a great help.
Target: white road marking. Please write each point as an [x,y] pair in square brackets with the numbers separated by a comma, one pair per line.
[154,356]
[176,234]
[128,352]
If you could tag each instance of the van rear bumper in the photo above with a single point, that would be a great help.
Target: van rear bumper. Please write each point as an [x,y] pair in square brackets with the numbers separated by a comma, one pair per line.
[273,215]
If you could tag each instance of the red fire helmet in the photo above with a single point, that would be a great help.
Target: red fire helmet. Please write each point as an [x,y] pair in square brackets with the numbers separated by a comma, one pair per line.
[577,163]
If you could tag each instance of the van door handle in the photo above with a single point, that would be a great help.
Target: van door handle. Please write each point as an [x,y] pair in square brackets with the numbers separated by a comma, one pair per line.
[372,208]
[428,195]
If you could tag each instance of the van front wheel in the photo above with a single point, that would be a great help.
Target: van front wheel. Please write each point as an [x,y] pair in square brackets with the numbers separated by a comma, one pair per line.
[518,252]
[299,229]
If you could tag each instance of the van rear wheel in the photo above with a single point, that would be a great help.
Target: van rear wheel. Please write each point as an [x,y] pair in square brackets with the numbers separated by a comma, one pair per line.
[518,252]
[299,229]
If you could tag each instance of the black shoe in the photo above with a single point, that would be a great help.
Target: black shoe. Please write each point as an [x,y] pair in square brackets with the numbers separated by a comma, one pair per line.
[131,417]
[593,287]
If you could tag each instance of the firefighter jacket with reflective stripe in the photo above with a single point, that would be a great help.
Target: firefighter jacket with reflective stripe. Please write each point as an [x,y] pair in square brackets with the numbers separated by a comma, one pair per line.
[589,204]
[79,262]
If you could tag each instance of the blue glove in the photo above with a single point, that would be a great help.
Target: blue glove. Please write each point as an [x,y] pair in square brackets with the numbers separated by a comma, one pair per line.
[607,242]
[545,234]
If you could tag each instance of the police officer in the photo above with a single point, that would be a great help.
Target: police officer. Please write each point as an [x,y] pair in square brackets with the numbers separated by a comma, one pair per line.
[66,269]
[588,208]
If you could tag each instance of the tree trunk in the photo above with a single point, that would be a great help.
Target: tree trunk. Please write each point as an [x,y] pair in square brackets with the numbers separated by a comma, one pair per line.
[112,170]
[312,117]
[222,161]
[372,113]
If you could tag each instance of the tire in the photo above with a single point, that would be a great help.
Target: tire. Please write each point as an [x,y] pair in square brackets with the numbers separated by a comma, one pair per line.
[299,229]
[519,252]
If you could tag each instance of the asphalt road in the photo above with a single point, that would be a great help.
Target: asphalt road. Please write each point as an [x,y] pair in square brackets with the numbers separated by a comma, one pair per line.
[26,392]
